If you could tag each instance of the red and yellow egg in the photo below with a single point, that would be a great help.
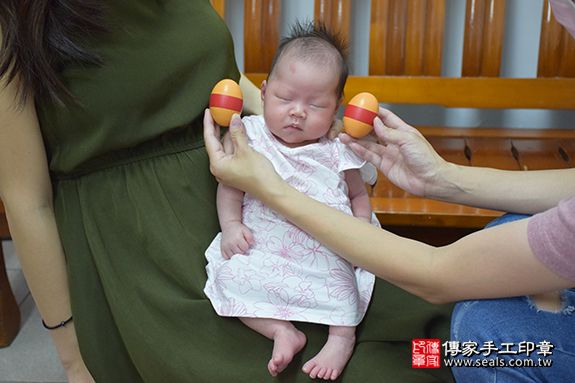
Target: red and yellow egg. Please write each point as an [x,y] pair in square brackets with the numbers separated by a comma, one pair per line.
[225,101]
[359,114]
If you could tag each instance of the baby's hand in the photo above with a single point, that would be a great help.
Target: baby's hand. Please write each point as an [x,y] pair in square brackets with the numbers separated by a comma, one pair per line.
[236,239]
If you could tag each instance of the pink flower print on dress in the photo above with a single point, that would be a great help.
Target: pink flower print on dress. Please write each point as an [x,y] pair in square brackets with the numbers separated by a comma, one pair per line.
[334,198]
[313,288]
[302,291]
[221,275]
[313,254]
[296,166]
[231,308]
[285,247]
[364,297]
[344,285]
[280,305]
[328,155]
[351,158]
[306,186]
[273,267]
[339,317]
[247,280]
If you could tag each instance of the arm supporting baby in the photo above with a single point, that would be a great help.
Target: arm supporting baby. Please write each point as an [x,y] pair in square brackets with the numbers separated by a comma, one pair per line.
[465,269]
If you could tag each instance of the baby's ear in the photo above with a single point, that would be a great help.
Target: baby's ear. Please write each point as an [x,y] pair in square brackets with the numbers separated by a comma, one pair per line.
[338,105]
[263,88]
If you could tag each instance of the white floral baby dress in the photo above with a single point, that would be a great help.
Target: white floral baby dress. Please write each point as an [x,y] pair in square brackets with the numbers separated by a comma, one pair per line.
[287,274]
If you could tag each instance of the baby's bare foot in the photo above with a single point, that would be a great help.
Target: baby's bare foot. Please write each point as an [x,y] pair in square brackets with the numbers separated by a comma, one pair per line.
[286,344]
[330,361]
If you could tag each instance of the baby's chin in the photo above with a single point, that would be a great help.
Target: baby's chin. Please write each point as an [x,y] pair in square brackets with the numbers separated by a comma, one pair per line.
[294,143]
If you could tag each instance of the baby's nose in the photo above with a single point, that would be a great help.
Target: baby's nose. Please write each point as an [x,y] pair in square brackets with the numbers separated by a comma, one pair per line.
[297,111]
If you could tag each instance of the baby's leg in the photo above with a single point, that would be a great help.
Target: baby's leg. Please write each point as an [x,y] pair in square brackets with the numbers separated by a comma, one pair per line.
[288,340]
[330,361]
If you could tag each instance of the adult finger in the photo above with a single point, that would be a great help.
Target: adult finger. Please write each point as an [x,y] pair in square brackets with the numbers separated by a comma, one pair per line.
[388,135]
[238,134]
[336,128]
[212,136]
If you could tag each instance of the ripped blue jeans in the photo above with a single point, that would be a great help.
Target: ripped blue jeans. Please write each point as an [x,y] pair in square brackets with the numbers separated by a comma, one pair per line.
[502,334]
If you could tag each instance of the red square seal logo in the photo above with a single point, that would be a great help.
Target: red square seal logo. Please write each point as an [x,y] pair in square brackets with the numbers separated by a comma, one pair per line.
[425,353]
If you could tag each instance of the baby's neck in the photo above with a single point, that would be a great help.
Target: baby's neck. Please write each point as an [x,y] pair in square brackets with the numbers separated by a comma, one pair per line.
[296,144]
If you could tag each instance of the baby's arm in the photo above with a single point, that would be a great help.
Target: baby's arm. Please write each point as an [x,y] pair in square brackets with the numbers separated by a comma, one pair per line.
[360,203]
[236,237]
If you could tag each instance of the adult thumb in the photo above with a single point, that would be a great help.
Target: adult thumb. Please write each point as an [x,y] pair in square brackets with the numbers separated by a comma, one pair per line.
[238,132]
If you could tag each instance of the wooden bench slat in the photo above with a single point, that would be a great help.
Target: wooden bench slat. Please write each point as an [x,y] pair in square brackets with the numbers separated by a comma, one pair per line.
[492,152]
[568,148]
[468,92]
[335,14]
[446,131]
[483,38]
[491,93]
[384,188]
[538,154]
[451,149]
[426,212]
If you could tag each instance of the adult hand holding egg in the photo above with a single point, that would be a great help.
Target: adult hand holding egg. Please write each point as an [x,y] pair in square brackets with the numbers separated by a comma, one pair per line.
[225,101]
[359,114]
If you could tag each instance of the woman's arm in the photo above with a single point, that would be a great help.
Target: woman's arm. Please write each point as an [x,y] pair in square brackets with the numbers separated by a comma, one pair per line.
[410,162]
[26,191]
[252,96]
[491,263]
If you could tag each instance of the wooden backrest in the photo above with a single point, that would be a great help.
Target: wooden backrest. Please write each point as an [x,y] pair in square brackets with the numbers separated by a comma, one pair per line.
[406,37]
[406,52]
[220,6]
[406,48]
[483,39]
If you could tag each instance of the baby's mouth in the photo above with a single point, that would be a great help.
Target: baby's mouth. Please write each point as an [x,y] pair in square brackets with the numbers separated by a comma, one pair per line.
[292,127]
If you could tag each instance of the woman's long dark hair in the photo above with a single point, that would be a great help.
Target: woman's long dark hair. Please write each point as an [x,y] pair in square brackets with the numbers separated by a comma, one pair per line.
[40,37]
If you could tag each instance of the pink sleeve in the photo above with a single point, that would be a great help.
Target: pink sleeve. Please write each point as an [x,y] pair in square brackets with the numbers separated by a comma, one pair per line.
[564,12]
[551,236]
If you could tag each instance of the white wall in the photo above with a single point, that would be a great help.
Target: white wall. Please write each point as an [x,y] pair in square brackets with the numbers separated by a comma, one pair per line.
[519,59]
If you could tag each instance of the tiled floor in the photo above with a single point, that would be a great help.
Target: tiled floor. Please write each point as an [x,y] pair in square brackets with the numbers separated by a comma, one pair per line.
[32,356]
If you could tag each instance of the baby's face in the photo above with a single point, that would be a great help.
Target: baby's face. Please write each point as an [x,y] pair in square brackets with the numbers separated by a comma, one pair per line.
[300,102]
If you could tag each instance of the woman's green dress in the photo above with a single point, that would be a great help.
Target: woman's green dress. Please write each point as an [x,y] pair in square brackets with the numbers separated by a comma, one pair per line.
[135,205]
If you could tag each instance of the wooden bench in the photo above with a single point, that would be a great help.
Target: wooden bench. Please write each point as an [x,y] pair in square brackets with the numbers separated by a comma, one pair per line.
[405,61]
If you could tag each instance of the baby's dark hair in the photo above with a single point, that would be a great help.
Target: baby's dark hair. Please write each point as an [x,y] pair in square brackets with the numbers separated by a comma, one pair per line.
[315,42]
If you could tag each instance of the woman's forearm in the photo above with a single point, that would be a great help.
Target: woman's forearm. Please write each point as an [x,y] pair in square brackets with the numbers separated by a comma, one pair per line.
[252,96]
[526,192]
[410,162]
[490,263]
[399,260]
[43,262]
[38,247]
